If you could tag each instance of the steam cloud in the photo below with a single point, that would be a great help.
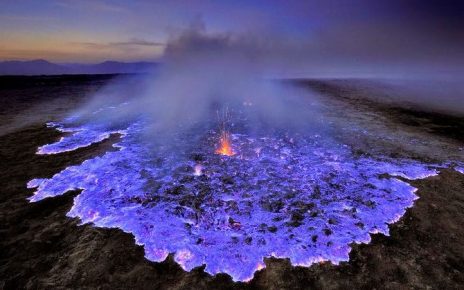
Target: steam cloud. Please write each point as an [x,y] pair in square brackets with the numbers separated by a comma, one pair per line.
[203,75]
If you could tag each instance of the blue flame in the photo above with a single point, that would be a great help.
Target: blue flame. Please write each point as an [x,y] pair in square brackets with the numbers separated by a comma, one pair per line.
[305,198]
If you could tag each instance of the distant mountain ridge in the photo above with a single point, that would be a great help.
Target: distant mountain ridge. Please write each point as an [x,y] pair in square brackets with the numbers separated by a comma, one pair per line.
[44,67]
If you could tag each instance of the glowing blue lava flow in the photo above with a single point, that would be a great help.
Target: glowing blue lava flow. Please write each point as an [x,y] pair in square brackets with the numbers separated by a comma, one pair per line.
[78,139]
[306,199]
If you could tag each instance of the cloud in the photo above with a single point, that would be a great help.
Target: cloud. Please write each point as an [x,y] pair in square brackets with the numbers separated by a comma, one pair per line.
[134,42]
[99,6]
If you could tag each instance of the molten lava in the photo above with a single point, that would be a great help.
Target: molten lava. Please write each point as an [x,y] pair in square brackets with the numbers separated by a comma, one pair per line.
[225,147]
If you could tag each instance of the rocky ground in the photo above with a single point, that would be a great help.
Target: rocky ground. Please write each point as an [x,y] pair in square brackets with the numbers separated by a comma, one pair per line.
[40,248]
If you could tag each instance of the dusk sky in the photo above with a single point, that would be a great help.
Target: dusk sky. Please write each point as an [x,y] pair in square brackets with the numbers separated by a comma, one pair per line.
[422,33]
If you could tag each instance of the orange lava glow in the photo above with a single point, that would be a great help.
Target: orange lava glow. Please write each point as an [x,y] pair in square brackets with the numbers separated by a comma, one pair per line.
[225,147]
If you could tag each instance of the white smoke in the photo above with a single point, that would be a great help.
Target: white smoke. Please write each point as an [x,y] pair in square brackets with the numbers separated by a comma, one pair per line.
[202,74]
